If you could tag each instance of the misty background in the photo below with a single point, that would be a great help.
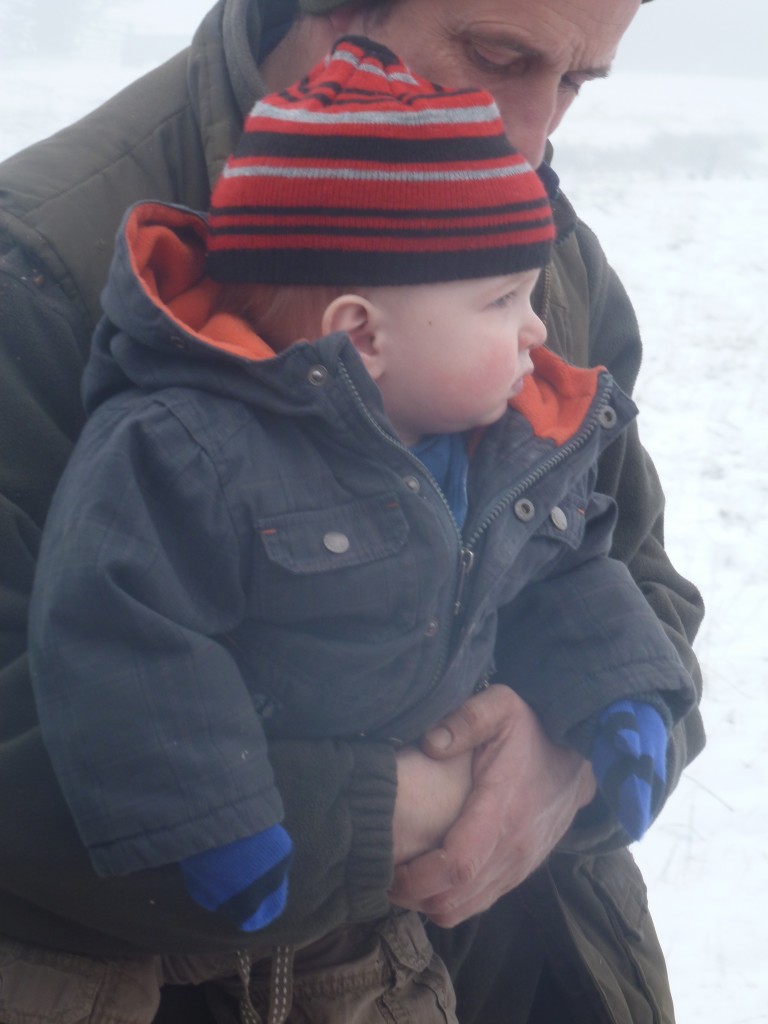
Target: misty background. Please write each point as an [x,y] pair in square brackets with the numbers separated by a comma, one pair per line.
[698,37]
[710,37]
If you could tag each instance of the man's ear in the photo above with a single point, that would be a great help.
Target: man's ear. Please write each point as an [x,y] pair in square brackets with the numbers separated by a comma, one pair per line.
[356,316]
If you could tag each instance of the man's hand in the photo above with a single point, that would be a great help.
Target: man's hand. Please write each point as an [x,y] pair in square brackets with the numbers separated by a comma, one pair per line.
[526,792]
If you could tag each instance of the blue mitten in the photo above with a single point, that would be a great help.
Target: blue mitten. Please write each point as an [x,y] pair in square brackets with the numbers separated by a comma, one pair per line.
[247,879]
[629,759]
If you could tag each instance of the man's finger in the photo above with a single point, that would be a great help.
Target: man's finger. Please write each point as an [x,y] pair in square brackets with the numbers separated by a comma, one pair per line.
[421,879]
[456,872]
[476,722]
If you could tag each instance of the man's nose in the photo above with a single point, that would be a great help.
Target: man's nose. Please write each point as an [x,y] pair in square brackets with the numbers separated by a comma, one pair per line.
[531,113]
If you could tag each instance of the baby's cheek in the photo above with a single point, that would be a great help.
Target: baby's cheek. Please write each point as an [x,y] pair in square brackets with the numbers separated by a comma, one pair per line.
[495,372]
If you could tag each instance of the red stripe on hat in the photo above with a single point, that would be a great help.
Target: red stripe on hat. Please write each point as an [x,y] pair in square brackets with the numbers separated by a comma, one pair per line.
[380,243]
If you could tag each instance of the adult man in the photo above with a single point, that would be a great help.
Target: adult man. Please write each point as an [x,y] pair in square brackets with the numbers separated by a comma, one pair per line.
[571,940]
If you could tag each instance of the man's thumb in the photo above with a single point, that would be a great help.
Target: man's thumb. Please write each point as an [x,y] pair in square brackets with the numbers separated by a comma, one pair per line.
[438,740]
[474,723]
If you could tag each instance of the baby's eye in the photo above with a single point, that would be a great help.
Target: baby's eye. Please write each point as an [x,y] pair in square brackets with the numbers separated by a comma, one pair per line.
[504,300]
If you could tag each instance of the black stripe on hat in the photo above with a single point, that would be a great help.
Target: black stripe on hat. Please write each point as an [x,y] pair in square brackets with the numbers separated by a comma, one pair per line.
[349,269]
[363,147]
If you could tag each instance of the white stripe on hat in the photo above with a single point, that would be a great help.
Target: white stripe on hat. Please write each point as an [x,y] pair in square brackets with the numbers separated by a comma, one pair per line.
[350,174]
[371,69]
[451,116]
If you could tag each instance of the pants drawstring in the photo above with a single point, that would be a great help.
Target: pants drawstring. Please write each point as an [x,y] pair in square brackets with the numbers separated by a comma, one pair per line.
[248,1012]
[280,987]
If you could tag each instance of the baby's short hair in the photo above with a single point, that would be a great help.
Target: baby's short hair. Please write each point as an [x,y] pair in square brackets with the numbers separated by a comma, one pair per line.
[279,313]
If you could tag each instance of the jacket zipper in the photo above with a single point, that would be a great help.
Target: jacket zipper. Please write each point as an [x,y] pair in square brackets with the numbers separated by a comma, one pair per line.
[466,557]
[576,442]
[467,549]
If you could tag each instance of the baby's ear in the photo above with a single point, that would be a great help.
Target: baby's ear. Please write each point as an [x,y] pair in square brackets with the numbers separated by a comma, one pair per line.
[356,316]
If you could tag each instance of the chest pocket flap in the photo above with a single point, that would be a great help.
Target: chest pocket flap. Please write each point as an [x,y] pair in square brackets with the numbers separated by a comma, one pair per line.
[339,537]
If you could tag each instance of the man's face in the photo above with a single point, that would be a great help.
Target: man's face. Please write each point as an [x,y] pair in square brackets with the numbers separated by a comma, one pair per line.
[532,55]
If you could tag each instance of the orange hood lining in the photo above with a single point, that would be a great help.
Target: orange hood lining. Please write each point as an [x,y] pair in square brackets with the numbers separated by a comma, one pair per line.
[167,252]
[557,397]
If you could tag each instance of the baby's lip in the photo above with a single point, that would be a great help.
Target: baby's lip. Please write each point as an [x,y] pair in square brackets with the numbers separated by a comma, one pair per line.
[517,387]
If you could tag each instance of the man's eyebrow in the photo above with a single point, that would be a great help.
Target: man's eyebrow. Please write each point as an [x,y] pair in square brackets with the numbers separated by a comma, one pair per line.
[600,72]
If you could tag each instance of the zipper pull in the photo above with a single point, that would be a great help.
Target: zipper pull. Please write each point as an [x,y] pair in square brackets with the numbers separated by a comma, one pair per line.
[467,557]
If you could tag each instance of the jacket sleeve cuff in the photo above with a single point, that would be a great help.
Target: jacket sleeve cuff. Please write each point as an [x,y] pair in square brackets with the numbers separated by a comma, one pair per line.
[339,799]
[372,803]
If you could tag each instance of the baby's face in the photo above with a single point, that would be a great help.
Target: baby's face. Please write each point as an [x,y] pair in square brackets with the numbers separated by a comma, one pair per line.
[452,355]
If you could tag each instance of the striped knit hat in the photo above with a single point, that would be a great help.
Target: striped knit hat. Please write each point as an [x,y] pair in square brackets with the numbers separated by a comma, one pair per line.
[363,174]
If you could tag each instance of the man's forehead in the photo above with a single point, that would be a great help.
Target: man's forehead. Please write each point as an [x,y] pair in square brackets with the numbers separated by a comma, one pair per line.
[556,30]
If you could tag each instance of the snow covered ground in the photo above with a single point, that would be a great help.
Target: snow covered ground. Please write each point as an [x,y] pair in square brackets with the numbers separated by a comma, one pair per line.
[675,186]
[672,172]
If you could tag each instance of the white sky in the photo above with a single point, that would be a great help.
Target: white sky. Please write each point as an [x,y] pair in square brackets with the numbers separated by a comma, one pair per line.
[709,37]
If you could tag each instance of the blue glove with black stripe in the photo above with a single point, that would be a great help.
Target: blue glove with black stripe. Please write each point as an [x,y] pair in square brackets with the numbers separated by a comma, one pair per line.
[629,759]
[247,880]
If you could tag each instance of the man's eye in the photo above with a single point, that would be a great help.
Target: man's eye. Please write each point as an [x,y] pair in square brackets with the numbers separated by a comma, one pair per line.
[496,61]
[570,84]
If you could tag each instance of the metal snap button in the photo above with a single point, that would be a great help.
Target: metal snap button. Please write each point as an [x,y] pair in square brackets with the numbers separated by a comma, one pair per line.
[525,510]
[412,483]
[432,628]
[335,542]
[559,518]
[607,417]
[317,376]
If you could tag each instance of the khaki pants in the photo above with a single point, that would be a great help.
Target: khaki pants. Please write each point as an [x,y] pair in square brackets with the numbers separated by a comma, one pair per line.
[375,974]
[41,986]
